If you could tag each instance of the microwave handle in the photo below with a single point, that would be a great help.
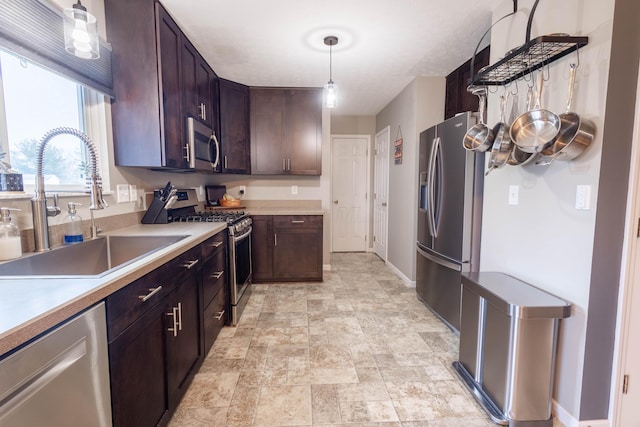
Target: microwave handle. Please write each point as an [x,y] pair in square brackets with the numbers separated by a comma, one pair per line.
[190,149]
[217,145]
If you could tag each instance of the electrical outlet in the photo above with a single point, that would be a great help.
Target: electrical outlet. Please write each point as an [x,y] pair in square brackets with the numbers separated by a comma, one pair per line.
[122,193]
[243,190]
[294,189]
[514,191]
[583,197]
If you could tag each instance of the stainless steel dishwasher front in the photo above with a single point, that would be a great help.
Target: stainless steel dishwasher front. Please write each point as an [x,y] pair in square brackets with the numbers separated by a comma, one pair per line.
[61,379]
[507,351]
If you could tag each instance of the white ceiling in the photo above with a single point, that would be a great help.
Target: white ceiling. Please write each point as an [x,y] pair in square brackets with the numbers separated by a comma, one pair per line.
[383,44]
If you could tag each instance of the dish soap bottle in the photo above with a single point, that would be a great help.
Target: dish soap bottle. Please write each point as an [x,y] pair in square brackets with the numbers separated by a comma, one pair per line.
[74,227]
[10,243]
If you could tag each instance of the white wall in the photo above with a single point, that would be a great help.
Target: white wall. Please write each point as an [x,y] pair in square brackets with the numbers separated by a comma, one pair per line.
[544,240]
[419,106]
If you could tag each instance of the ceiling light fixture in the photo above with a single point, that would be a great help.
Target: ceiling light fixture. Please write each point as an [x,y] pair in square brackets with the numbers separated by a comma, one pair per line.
[330,89]
[81,32]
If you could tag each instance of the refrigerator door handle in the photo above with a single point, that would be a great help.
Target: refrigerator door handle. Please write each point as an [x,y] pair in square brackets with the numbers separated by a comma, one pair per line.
[437,198]
[443,262]
[431,170]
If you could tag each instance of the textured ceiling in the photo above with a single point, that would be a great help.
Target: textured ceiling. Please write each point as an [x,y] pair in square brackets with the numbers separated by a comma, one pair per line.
[384,44]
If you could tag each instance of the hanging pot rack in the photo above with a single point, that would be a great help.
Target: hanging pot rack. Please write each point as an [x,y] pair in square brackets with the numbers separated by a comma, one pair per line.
[532,55]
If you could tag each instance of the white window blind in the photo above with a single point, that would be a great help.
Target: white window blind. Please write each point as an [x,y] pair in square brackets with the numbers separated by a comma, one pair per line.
[33,29]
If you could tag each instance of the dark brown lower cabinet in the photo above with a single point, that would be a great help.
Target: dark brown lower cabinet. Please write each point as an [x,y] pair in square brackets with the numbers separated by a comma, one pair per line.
[287,248]
[154,356]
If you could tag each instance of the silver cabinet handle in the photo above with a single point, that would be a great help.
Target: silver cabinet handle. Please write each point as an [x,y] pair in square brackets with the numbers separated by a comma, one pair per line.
[297,221]
[225,162]
[174,314]
[219,316]
[179,316]
[190,264]
[284,164]
[187,153]
[289,164]
[275,240]
[152,292]
[216,275]
[216,244]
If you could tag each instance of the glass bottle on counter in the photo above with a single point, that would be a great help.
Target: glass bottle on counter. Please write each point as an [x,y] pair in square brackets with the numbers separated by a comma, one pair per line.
[73,233]
[10,242]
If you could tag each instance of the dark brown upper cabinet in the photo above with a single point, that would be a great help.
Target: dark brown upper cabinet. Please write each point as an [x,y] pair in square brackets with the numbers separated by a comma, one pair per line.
[234,127]
[286,131]
[457,99]
[160,79]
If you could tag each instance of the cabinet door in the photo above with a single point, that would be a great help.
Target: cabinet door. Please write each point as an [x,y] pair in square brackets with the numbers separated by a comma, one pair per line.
[170,56]
[204,79]
[234,127]
[268,131]
[304,131]
[138,381]
[184,349]
[262,248]
[189,66]
[297,253]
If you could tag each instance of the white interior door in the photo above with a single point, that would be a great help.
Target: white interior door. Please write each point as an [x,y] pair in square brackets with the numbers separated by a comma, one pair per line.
[627,395]
[350,180]
[381,192]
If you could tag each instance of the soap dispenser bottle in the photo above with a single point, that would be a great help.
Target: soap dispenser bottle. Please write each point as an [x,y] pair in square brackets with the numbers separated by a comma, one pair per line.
[10,243]
[73,233]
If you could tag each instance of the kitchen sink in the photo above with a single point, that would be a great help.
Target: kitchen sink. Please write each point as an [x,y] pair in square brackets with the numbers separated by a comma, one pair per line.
[91,258]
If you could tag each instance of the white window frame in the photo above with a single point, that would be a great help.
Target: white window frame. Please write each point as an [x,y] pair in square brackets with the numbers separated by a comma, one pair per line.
[95,124]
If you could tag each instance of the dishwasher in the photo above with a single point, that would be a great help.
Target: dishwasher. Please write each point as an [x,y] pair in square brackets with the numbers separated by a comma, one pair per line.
[60,379]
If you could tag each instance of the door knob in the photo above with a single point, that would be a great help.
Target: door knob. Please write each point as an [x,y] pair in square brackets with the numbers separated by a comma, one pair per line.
[335,202]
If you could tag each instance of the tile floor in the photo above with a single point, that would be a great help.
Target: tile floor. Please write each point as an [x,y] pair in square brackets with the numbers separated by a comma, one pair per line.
[357,349]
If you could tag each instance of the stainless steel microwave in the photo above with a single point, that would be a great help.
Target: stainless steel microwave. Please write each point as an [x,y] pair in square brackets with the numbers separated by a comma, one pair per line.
[203,149]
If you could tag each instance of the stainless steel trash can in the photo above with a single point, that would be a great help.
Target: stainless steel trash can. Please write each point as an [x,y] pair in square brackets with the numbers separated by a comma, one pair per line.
[508,336]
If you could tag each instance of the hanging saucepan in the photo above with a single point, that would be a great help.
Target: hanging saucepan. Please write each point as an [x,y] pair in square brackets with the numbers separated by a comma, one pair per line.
[517,157]
[480,136]
[537,129]
[575,133]
[502,143]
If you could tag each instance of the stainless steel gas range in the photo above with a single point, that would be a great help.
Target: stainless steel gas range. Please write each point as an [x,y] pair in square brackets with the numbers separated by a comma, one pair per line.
[240,229]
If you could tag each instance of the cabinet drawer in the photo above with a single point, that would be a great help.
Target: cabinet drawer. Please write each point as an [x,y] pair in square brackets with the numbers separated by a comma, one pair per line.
[214,276]
[215,316]
[301,221]
[135,299]
[214,244]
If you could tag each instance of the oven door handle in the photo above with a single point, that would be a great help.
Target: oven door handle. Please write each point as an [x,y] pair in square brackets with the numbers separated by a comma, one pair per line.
[241,237]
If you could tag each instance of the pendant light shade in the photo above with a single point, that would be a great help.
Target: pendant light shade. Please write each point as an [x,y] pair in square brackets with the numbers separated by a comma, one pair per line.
[81,32]
[330,89]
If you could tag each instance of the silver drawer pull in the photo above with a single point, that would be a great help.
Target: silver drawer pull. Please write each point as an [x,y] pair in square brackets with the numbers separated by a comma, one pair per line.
[179,316]
[297,221]
[190,264]
[174,314]
[216,275]
[152,292]
[219,316]
[216,244]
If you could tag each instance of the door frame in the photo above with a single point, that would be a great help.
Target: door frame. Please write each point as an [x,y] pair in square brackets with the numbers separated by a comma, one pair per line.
[630,275]
[368,185]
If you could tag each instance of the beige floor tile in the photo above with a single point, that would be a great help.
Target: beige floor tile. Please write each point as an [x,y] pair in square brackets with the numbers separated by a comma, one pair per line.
[334,376]
[325,407]
[213,390]
[199,417]
[284,406]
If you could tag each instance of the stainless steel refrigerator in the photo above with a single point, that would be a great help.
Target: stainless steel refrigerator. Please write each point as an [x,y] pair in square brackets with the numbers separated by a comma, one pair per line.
[449,215]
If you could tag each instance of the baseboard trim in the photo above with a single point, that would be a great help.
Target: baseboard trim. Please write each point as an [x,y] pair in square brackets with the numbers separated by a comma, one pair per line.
[408,282]
[567,419]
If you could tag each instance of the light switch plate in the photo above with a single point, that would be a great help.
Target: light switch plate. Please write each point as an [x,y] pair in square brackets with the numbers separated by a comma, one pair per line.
[133,193]
[294,189]
[514,191]
[122,193]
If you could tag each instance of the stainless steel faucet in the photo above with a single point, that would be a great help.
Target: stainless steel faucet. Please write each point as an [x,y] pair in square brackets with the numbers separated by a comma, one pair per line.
[39,207]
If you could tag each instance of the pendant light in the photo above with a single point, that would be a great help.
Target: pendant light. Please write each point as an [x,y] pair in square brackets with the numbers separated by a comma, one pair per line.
[81,32]
[330,89]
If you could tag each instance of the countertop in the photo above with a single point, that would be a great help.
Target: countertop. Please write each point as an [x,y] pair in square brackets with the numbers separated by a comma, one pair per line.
[30,306]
